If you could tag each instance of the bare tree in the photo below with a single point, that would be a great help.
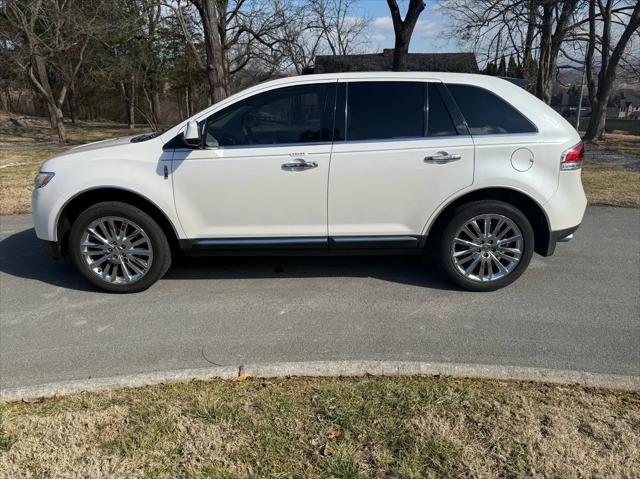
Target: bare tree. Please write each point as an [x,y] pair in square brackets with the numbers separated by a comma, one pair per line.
[497,29]
[320,27]
[54,35]
[213,15]
[235,35]
[301,39]
[342,31]
[518,27]
[611,53]
[541,33]
[556,22]
[403,30]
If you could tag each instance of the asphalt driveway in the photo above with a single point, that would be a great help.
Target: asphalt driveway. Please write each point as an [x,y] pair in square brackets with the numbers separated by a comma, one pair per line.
[578,310]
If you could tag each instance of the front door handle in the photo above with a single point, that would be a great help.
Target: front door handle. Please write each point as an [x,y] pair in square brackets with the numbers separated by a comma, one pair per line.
[299,165]
[441,158]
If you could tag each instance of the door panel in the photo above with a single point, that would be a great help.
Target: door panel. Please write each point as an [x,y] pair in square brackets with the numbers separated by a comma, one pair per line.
[263,168]
[387,187]
[245,192]
[390,186]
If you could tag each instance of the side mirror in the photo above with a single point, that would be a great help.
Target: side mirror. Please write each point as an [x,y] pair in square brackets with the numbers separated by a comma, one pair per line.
[191,136]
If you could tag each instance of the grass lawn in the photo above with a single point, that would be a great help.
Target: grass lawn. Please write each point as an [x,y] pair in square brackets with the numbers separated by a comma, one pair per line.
[621,143]
[612,186]
[340,428]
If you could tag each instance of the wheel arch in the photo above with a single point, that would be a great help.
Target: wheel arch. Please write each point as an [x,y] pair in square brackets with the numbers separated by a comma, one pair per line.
[84,199]
[525,203]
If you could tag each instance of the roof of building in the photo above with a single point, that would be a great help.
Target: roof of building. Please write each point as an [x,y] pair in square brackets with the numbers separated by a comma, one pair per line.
[435,62]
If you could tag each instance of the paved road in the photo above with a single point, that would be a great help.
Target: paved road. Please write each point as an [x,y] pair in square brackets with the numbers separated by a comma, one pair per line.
[579,310]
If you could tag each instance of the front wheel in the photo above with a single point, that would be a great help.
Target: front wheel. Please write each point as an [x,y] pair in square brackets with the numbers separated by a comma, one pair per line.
[119,248]
[486,245]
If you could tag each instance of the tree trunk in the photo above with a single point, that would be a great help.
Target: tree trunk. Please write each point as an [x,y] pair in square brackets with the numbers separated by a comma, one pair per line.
[400,52]
[155,100]
[403,30]
[542,87]
[528,41]
[6,99]
[609,64]
[40,77]
[550,43]
[73,103]
[129,96]
[597,122]
[56,118]
[218,88]
[187,99]
[131,116]
[588,60]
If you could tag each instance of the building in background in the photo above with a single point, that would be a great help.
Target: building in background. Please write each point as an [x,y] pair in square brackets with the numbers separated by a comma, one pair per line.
[417,62]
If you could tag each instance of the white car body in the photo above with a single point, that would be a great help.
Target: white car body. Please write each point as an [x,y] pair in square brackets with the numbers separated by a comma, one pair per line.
[378,188]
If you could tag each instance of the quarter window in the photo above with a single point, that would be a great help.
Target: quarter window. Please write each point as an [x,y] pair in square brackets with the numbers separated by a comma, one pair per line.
[385,110]
[487,113]
[295,114]
[439,122]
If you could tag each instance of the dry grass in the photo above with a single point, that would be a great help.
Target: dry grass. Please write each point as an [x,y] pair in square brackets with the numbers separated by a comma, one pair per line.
[609,184]
[613,186]
[367,427]
[17,170]
[625,144]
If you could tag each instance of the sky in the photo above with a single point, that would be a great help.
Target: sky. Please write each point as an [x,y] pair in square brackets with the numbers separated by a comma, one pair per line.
[427,36]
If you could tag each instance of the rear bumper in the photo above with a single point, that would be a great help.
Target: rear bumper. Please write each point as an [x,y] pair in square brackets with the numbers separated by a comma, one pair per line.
[52,248]
[559,236]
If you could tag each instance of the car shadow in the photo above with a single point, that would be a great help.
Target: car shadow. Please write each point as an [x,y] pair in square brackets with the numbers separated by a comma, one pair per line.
[22,256]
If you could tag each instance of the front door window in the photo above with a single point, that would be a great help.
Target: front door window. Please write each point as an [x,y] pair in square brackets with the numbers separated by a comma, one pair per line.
[289,115]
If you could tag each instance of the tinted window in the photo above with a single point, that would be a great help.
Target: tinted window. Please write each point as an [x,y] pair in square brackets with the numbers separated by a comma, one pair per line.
[287,115]
[488,114]
[439,122]
[339,124]
[384,110]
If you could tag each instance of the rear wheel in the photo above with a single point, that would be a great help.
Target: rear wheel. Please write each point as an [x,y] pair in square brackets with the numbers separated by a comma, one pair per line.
[486,245]
[119,248]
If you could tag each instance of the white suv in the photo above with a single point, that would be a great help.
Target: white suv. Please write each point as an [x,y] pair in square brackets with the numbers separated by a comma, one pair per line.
[469,167]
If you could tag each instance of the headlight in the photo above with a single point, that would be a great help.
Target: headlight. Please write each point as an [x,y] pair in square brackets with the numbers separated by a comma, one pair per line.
[42,179]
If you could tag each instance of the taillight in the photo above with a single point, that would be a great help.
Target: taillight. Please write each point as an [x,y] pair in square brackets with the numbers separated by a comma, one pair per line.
[572,158]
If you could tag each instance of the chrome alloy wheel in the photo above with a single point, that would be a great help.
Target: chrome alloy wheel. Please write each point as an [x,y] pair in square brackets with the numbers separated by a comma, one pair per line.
[117,250]
[487,248]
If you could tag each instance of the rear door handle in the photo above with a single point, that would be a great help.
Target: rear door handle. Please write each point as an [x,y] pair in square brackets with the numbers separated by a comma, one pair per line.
[442,157]
[299,165]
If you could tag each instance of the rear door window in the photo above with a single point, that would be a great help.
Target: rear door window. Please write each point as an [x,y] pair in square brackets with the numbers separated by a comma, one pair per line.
[487,113]
[385,110]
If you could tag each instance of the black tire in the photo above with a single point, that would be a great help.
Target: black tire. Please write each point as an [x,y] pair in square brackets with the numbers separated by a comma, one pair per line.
[464,214]
[161,248]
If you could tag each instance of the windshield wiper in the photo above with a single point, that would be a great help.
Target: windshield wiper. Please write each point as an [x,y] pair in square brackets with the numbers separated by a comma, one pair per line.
[147,136]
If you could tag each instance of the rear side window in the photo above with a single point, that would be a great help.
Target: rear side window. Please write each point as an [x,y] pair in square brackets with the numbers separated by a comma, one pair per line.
[487,113]
[385,110]
[439,122]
